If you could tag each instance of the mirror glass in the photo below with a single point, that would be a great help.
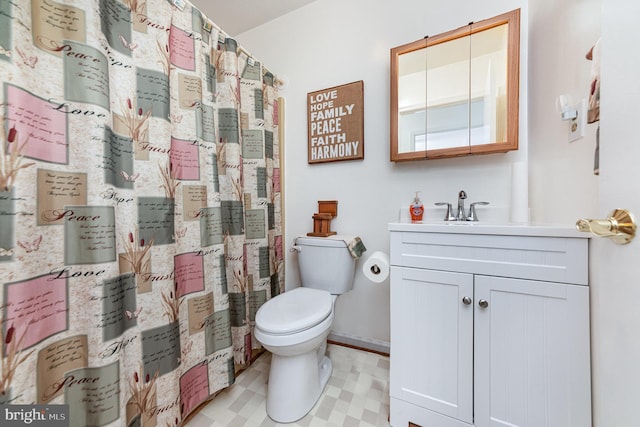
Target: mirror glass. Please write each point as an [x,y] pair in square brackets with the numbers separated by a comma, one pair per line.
[457,93]
[488,114]
[412,97]
[448,94]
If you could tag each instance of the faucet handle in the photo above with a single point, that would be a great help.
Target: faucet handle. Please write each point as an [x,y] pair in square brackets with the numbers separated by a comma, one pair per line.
[449,215]
[473,216]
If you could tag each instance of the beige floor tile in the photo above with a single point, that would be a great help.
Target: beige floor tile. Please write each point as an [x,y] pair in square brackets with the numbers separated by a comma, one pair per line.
[357,395]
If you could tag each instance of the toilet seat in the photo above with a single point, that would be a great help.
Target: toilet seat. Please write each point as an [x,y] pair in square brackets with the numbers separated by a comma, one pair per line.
[294,311]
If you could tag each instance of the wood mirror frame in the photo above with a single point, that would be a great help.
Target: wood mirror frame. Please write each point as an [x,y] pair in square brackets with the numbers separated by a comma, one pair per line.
[499,133]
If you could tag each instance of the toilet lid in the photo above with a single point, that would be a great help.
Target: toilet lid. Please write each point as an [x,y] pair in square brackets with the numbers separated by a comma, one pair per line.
[293,311]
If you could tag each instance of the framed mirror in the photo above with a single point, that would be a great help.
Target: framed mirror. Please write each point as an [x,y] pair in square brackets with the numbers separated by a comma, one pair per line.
[456,93]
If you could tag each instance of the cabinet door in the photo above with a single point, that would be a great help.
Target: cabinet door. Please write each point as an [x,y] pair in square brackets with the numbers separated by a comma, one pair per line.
[532,364]
[432,340]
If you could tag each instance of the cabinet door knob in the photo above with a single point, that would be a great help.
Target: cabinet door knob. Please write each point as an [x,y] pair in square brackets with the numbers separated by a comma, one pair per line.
[483,303]
[466,300]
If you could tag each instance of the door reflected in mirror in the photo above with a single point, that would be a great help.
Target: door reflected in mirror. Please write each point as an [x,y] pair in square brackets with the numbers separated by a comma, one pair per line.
[457,93]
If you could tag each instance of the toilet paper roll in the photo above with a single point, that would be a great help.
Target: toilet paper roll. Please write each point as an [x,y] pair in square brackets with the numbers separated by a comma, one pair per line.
[376,267]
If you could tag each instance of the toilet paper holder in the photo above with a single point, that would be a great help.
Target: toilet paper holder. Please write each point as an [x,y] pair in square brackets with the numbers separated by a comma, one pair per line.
[376,267]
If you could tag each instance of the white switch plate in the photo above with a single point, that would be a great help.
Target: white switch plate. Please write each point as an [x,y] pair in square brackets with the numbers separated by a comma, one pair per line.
[576,126]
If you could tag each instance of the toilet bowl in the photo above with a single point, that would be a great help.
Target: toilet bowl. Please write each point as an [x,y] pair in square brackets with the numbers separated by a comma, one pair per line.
[294,328]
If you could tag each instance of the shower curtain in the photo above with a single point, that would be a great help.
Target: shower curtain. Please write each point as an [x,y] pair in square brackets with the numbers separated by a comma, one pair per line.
[140,220]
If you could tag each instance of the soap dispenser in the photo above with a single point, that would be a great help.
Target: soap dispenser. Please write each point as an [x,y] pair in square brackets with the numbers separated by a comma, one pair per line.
[416,209]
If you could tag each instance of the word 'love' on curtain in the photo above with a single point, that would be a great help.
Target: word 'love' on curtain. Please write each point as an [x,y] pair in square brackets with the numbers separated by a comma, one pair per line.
[140,221]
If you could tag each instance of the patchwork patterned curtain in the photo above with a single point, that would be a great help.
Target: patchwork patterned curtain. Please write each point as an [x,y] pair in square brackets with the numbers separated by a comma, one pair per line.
[140,225]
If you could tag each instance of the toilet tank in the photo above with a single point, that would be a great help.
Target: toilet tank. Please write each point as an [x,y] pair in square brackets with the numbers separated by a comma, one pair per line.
[325,264]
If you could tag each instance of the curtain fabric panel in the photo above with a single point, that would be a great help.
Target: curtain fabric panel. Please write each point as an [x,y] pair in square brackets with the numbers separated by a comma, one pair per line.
[140,222]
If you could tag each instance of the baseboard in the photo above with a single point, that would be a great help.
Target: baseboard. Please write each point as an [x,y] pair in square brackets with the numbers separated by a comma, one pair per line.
[376,346]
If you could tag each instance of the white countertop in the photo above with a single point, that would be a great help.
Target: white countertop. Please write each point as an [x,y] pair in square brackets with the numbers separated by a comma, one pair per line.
[463,227]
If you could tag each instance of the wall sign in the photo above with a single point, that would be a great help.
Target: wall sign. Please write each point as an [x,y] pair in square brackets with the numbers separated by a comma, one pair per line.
[335,119]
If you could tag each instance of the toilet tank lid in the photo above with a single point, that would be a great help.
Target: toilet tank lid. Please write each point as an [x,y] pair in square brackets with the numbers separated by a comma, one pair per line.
[331,241]
[294,310]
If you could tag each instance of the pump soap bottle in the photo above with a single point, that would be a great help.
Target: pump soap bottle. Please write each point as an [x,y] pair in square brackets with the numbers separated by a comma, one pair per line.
[416,209]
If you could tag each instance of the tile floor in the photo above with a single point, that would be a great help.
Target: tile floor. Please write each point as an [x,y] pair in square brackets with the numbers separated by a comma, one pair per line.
[357,395]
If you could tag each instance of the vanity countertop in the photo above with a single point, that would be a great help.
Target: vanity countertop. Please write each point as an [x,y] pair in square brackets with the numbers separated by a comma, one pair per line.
[542,230]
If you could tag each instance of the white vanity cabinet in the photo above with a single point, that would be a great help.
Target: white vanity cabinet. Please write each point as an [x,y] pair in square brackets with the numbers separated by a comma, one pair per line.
[489,326]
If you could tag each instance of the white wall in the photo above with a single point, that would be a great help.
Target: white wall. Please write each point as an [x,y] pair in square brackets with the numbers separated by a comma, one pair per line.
[332,42]
[562,185]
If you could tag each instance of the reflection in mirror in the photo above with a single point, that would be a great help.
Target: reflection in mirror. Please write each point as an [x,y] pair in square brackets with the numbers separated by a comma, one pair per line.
[448,94]
[412,98]
[457,93]
[489,85]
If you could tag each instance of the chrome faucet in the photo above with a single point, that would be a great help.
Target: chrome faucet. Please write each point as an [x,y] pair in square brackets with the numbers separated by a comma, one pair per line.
[473,216]
[449,215]
[461,215]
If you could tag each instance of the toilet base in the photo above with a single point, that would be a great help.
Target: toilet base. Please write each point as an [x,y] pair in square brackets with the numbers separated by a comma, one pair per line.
[295,384]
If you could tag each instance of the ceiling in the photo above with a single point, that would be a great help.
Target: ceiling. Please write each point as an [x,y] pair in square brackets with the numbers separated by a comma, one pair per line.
[237,16]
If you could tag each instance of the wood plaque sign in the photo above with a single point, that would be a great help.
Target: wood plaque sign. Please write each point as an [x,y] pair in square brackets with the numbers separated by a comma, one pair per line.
[335,119]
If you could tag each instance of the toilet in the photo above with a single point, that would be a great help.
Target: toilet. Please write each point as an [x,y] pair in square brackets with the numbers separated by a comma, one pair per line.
[294,327]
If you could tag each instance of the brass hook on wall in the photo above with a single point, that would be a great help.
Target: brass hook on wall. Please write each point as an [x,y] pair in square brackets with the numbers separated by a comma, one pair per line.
[620,226]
